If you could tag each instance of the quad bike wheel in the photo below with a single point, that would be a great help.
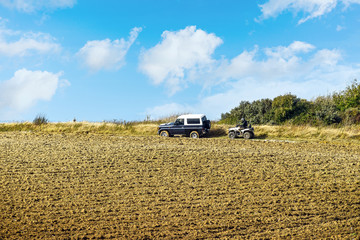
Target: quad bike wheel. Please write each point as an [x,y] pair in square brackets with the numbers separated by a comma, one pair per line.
[248,135]
[232,135]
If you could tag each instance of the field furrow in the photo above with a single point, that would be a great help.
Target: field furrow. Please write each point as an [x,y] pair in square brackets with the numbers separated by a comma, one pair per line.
[84,186]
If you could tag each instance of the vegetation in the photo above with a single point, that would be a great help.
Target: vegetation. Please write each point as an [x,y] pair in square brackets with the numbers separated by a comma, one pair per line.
[301,132]
[331,117]
[339,108]
[40,120]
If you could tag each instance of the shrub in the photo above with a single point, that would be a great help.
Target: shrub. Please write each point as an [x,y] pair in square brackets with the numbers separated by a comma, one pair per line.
[287,106]
[349,98]
[260,111]
[352,116]
[40,120]
[257,112]
[325,110]
[236,113]
[341,107]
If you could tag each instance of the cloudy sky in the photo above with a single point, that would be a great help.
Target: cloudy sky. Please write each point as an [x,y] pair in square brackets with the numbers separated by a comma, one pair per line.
[102,60]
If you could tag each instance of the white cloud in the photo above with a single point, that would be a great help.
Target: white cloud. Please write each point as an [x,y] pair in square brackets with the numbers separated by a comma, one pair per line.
[17,43]
[348,2]
[339,28]
[168,109]
[312,8]
[40,43]
[26,87]
[178,57]
[298,68]
[107,54]
[289,51]
[325,59]
[294,62]
[30,6]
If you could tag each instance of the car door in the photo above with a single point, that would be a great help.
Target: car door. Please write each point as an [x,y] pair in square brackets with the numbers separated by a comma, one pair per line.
[178,128]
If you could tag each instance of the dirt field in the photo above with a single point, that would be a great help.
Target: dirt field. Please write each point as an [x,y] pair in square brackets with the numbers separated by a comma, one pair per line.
[91,186]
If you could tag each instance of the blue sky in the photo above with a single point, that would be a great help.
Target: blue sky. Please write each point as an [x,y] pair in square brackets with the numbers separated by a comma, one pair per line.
[104,60]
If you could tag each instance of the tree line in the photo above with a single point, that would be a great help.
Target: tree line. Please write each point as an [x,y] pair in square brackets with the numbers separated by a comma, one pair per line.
[338,108]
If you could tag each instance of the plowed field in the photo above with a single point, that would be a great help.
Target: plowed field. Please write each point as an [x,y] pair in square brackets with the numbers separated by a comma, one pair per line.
[91,186]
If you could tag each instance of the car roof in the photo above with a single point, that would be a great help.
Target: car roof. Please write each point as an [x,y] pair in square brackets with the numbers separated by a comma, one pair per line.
[192,116]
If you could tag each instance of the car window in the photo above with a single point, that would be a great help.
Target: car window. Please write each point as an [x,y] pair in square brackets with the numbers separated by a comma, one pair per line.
[179,121]
[193,121]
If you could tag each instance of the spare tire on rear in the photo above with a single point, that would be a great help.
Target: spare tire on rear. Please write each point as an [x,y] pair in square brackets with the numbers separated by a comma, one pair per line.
[207,124]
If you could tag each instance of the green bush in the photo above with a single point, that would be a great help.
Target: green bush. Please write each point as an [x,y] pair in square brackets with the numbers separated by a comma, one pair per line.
[349,98]
[351,116]
[339,108]
[287,106]
[260,111]
[40,120]
[257,112]
[236,113]
[326,111]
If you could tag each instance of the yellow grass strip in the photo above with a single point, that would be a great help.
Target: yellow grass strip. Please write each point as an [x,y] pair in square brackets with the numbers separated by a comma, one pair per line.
[218,130]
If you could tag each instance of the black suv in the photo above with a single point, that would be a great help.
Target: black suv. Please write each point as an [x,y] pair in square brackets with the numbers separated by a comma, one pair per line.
[192,125]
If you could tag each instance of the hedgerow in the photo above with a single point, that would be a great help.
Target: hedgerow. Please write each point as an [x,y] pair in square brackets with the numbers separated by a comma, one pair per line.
[338,108]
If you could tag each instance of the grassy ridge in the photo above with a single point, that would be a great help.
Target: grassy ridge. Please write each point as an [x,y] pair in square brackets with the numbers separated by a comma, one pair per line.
[307,132]
[218,130]
[304,132]
[82,127]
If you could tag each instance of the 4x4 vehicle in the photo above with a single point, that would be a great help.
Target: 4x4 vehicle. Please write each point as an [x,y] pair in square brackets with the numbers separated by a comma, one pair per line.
[239,131]
[191,125]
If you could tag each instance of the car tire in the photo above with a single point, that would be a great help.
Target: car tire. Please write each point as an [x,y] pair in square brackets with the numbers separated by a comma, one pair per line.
[232,135]
[194,134]
[248,135]
[164,133]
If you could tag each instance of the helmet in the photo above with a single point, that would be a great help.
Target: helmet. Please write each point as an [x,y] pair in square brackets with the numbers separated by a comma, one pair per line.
[242,119]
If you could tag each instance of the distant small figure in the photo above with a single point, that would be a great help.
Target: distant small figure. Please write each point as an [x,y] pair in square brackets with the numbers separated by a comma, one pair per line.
[243,123]
[74,120]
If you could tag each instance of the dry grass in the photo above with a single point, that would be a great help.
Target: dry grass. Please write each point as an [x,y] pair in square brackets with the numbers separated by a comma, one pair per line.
[291,132]
[347,133]
[312,133]
[83,127]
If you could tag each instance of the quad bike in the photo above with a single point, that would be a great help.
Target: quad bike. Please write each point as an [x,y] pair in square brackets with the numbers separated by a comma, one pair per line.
[240,131]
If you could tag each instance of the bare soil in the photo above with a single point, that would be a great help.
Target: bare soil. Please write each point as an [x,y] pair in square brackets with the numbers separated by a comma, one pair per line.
[92,186]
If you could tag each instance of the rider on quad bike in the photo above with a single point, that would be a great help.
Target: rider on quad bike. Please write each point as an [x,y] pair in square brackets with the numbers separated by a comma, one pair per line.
[241,130]
[243,123]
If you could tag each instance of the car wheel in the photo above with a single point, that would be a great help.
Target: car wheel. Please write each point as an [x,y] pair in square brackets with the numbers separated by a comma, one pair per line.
[194,134]
[232,135]
[164,133]
[248,135]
